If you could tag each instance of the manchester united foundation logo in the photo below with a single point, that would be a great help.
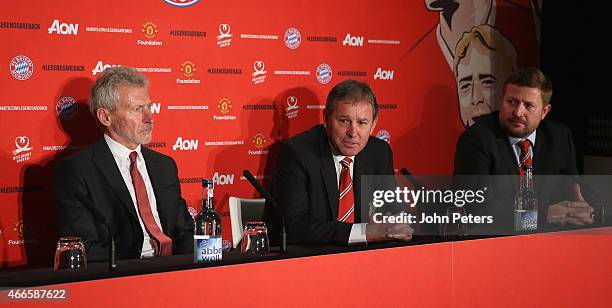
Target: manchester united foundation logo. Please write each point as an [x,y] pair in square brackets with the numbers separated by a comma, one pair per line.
[188,68]
[149,29]
[224,106]
[21,228]
[259,140]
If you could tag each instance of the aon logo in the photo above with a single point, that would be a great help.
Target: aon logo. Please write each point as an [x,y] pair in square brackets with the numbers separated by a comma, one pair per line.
[63,28]
[352,40]
[100,67]
[223,179]
[155,107]
[185,145]
[383,75]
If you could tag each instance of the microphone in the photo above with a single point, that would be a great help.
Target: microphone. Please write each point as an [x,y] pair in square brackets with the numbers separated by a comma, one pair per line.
[411,178]
[97,215]
[264,193]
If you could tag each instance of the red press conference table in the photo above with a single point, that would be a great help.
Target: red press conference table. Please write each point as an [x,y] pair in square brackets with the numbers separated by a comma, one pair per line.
[560,269]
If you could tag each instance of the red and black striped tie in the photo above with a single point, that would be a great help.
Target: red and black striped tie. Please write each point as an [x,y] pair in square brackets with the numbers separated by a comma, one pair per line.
[346,211]
[525,158]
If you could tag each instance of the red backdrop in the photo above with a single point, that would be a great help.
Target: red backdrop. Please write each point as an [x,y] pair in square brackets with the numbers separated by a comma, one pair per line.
[228,79]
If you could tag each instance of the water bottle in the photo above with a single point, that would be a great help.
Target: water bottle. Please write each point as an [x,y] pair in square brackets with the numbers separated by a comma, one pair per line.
[207,241]
[526,203]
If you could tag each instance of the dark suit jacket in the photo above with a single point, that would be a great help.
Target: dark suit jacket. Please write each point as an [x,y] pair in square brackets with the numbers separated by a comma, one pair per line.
[484,149]
[91,178]
[306,188]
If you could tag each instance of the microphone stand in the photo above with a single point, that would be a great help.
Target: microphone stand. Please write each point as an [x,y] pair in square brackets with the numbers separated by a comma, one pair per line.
[95,213]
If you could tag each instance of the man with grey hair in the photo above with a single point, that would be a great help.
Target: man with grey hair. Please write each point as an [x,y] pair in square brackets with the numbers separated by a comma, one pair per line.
[317,178]
[133,189]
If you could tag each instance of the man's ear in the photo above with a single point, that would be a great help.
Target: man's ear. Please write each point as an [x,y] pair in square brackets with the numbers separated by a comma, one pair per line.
[546,110]
[104,117]
[373,125]
[325,117]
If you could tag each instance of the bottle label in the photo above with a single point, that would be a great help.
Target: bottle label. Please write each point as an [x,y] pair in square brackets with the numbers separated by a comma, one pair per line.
[525,220]
[207,248]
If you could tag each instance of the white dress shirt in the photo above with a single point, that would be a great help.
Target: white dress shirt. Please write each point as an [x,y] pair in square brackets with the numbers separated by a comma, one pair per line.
[122,158]
[358,230]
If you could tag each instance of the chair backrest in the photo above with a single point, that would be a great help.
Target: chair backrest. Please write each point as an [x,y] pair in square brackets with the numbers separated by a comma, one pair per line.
[241,211]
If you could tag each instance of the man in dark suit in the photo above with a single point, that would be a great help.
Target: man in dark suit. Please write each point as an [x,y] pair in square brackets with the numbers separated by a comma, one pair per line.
[502,142]
[117,180]
[317,179]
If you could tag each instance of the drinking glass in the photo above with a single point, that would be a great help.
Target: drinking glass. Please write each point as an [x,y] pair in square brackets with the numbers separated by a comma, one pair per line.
[70,254]
[255,238]
[454,228]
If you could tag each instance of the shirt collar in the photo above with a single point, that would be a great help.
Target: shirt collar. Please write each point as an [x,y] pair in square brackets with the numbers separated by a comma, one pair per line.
[119,150]
[531,137]
[338,158]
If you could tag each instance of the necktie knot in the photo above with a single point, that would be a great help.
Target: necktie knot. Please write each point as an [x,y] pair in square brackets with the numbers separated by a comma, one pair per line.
[346,162]
[133,157]
[524,145]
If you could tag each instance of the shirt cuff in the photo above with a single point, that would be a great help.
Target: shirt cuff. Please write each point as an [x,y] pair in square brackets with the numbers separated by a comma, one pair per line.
[358,234]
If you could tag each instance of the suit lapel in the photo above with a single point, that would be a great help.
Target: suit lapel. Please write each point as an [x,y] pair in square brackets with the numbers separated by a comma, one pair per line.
[328,173]
[506,153]
[104,160]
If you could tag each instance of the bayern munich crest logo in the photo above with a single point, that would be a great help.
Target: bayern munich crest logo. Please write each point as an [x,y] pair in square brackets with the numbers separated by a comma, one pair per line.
[293,39]
[66,108]
[324,73]
[384,136]
[192,211]
[22,67]
[182,3]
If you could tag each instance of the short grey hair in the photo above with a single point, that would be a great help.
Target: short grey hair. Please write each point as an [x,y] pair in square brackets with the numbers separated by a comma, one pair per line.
[352,91]
[104,93]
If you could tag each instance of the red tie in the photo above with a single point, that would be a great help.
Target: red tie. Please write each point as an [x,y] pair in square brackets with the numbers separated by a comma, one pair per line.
[162,244]
[525,158]
[347,200]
